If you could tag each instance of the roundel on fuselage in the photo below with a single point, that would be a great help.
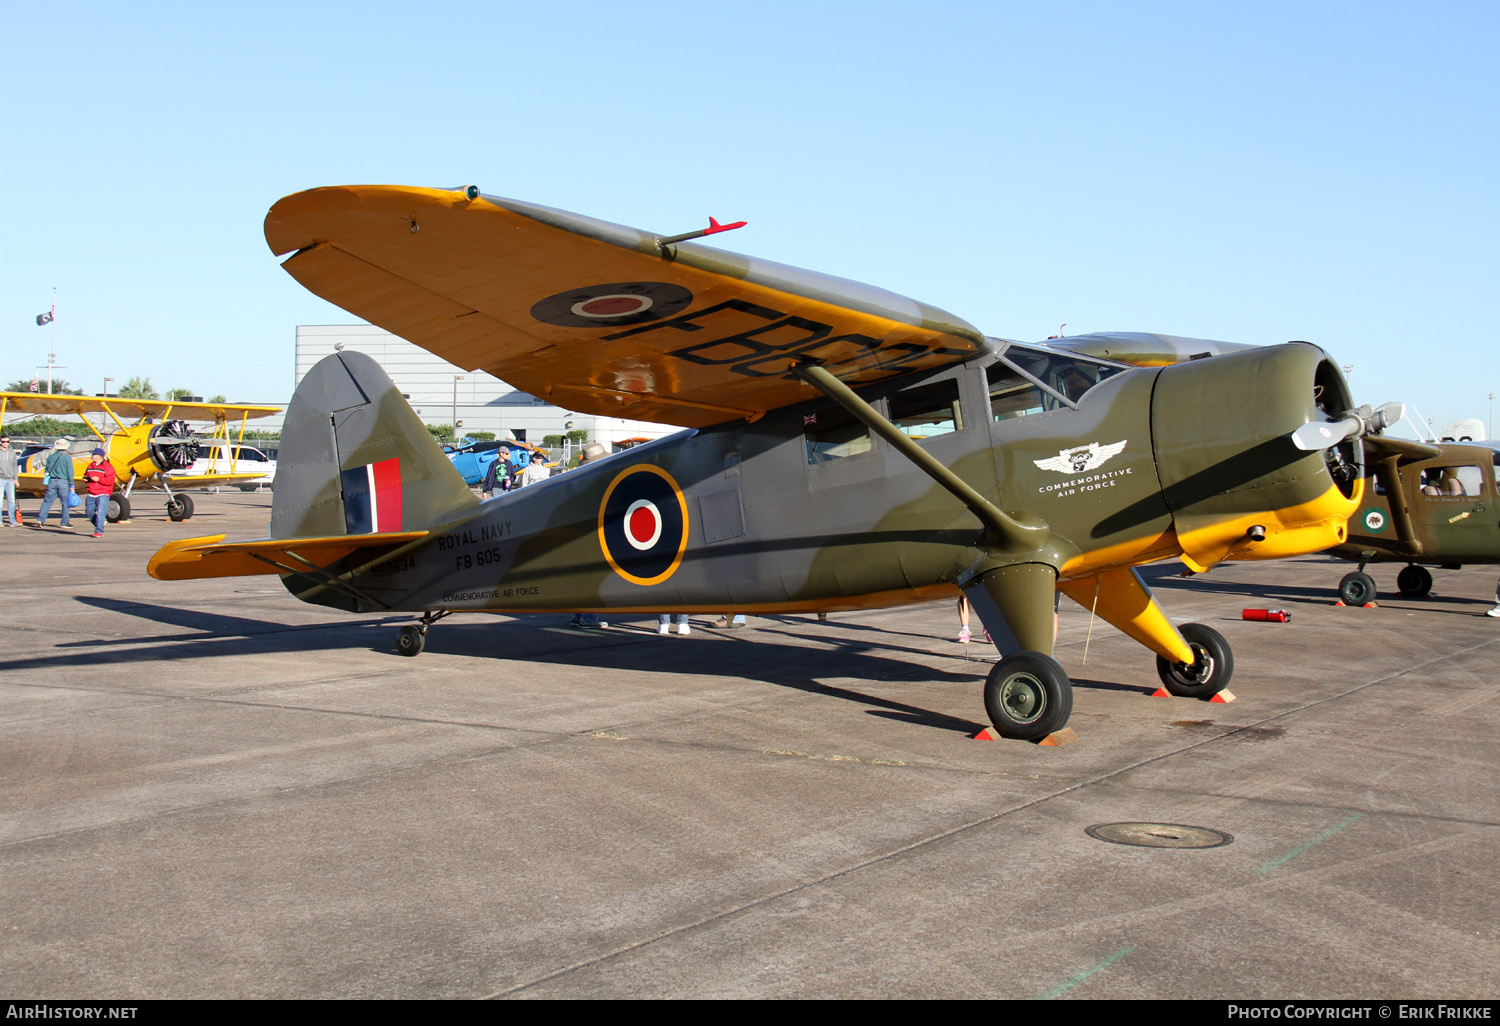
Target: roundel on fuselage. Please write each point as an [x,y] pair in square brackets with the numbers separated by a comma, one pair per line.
[643,524]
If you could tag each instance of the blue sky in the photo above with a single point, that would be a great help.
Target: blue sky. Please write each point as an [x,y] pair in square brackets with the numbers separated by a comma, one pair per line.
[1253,172]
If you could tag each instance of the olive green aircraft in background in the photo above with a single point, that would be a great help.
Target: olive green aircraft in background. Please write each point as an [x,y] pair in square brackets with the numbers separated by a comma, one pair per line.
[844,447]
[1425,503]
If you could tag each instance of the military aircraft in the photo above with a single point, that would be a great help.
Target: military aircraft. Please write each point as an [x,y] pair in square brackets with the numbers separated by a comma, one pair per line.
[143,453]
[1433,504]
[844,447]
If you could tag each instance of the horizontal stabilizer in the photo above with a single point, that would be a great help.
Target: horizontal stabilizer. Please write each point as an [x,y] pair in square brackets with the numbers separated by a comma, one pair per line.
[193,558]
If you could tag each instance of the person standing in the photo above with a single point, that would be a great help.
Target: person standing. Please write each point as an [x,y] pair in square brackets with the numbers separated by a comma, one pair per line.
[100,475]
[536,472]
[59,473]
[9,468]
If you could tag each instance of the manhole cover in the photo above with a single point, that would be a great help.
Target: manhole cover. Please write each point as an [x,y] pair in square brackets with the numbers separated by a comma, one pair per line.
[1159,835]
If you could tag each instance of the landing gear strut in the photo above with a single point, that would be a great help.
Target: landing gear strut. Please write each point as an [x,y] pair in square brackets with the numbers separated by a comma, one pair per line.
[179,507]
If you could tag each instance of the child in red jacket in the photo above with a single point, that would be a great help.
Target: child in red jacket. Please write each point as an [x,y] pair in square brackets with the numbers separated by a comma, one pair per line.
[100,475]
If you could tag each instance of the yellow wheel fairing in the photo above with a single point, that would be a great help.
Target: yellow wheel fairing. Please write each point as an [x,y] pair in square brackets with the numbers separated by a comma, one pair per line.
[643,524]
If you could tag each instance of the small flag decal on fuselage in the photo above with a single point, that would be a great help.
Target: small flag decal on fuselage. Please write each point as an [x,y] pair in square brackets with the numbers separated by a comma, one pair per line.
[372,497]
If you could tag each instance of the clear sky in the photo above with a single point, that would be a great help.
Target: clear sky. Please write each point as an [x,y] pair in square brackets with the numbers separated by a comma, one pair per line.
[1245,171]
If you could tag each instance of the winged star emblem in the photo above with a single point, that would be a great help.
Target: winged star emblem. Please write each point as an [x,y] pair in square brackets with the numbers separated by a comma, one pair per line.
[1082,457]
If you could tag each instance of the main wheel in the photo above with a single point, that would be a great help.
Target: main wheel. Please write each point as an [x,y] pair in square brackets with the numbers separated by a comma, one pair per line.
[1357,588]
[187,505]
[176,511]
[1414,581]
[410,641]
[1028,696]
[1209,673]
[119,508]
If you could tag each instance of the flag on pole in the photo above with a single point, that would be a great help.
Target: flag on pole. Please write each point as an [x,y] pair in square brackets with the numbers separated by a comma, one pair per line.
[45,318]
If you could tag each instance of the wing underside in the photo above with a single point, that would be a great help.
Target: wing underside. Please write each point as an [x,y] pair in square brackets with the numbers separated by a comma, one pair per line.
[598,317]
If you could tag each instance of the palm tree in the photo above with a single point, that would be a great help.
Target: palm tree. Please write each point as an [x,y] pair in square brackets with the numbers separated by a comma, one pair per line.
[138,388]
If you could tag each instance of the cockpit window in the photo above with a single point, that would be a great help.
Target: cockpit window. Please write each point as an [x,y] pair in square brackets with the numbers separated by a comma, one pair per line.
[1068,376]
[1012,394]
[1453,481]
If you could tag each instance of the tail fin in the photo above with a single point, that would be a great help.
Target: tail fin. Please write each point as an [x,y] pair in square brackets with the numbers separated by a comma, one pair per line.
[356,459]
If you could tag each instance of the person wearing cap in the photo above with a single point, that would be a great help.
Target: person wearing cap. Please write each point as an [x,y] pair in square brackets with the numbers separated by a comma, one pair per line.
[58,472]
[100,475]
[9,468]
[536,472]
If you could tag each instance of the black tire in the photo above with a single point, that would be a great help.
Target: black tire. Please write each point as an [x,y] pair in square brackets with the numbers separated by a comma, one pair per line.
[187,506]
[175,511]
[1357,588]
[1212,667]
[119,508]
[1414,581]
[410,641]
[1028,696]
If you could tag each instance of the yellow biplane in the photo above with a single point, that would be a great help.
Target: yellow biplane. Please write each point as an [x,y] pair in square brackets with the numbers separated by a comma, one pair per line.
[144,453]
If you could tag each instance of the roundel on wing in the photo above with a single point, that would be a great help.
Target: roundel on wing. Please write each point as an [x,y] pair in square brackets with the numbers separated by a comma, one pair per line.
[613,305]
[643,524]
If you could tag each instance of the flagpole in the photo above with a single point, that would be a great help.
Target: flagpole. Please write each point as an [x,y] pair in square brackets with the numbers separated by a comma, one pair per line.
[52,356]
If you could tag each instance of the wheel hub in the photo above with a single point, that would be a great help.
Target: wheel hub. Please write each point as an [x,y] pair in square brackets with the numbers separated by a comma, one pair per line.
[1024,697]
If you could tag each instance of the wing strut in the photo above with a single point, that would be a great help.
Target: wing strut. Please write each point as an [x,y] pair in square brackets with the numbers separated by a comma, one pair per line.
[1008,533]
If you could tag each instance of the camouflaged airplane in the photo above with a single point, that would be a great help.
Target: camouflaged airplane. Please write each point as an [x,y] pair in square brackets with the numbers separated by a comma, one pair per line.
[844,447]
[1424,503]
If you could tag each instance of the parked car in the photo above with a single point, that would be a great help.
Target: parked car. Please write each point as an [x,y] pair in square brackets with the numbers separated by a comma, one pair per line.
[220,457]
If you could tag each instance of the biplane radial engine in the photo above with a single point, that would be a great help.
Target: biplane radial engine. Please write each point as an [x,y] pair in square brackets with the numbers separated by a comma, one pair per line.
[844,447]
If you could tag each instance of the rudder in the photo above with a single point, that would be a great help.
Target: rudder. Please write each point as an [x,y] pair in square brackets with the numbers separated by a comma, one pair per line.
[356,459]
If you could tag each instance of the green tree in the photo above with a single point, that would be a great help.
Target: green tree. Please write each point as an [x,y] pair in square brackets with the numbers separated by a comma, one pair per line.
[482,436]
[177,393]
[59,386]
[442,432]
[138,388]
[217,398]
[578,436]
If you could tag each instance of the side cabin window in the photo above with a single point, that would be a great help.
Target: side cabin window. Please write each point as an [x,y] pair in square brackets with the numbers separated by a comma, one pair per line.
[1458,480]
[927,410]
[832,433]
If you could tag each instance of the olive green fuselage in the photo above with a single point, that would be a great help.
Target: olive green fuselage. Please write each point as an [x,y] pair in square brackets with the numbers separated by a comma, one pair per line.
[805,510]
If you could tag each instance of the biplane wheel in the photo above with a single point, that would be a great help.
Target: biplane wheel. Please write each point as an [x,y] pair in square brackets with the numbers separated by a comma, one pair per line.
[1414,581]
[410,641]
[1357,588]
[1028,696]
[187,506]
[176,511]
[119,508]
[1212,666]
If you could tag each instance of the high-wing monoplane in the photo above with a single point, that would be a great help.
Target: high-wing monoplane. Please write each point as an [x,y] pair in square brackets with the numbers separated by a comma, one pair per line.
[144,453]
[1424,503]
[845,447]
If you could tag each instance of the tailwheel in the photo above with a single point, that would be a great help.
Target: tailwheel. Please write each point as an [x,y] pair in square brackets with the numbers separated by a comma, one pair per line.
[1357,588]
[1028,696]
[1208,674]
[411,640]
[1414,581]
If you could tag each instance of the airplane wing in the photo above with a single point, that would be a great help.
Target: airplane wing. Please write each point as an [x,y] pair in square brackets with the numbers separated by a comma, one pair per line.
[192,558]
[47,405]
[598,317]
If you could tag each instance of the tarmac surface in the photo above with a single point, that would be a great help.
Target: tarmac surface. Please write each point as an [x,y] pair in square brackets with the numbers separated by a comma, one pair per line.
[211,790]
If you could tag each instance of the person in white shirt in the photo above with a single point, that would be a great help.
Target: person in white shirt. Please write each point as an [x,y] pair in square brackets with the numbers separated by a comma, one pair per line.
[536,471]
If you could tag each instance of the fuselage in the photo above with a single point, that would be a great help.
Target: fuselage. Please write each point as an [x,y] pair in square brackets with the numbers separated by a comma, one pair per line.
[805,509]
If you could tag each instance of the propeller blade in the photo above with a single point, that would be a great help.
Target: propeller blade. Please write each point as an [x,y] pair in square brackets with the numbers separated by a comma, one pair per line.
[1311,437]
